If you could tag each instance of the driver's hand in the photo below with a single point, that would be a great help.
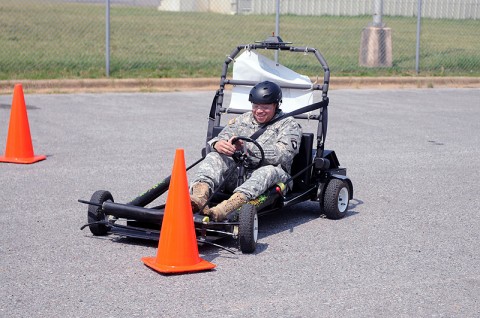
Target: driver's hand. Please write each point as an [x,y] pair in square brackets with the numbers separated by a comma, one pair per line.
[226,147]
[238,144]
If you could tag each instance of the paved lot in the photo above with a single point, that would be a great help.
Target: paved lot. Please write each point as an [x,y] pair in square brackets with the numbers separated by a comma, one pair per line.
[409,247]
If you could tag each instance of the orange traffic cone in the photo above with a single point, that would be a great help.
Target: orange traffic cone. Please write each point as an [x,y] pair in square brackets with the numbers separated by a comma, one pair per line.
[19,147]
[177,248]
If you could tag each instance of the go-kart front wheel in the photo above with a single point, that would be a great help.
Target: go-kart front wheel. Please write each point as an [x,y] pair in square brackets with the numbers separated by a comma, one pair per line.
[335,199]
[248,228]
[96,213]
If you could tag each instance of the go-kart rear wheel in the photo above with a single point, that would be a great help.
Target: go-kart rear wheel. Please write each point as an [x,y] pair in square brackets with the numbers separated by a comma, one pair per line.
[335,200]
[96,214]
[248,228]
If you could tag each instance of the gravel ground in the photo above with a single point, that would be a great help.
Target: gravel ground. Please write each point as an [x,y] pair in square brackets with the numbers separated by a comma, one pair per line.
[408,248]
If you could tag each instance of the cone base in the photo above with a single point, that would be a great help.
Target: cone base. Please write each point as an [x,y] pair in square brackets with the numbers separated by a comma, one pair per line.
[22,160]
[171,269]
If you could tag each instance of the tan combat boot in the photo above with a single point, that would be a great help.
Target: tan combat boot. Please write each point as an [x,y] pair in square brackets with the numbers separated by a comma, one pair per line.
[200,193]
[220,211]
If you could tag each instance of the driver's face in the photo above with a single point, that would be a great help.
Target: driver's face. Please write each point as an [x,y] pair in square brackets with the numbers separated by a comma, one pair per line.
[263,113]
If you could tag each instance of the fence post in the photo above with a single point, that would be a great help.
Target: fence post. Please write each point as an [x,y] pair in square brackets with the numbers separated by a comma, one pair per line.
[107,38]
[417,48]
[378,13]
[277,26]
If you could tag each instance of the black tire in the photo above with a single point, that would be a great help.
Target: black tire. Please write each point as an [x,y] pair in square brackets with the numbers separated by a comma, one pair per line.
[335,199]
[95,213]
[248,228]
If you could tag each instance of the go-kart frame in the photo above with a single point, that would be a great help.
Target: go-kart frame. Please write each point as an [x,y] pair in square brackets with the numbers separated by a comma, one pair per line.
[316,175]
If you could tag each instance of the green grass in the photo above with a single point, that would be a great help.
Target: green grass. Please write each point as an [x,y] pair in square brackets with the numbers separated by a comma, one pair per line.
[44,40]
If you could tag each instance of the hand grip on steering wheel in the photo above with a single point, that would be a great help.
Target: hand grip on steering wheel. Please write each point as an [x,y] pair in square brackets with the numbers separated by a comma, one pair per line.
[257,145]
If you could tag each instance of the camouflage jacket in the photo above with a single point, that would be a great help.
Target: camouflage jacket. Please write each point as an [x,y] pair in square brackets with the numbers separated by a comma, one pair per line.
[280,141]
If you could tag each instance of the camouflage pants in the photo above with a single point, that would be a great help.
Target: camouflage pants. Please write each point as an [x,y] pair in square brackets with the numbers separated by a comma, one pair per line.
[216,167]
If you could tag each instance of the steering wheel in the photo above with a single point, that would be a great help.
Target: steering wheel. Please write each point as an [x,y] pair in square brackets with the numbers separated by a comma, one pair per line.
[245,157]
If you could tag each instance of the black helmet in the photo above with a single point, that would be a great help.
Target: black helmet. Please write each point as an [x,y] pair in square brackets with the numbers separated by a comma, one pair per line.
[266,93]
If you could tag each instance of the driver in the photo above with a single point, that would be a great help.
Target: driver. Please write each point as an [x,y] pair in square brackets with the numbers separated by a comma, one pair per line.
[280,143]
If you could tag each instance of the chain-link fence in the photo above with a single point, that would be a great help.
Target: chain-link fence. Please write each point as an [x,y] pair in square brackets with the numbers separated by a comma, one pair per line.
[188,38]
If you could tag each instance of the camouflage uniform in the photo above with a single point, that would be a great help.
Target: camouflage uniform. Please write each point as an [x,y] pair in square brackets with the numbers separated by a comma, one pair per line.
[280,143]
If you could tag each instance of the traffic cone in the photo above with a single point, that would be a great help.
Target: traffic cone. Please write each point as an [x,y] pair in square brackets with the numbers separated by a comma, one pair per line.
[19,147]
[177,248]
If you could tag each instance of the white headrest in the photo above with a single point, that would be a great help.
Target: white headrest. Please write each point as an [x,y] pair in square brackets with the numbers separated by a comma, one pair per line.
[252,66]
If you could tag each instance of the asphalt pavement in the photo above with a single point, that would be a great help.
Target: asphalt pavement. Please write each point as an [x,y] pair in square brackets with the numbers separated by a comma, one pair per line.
[408,247]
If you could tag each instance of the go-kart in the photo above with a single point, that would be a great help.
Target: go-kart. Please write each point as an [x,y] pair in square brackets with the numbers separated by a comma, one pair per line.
[316,172]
